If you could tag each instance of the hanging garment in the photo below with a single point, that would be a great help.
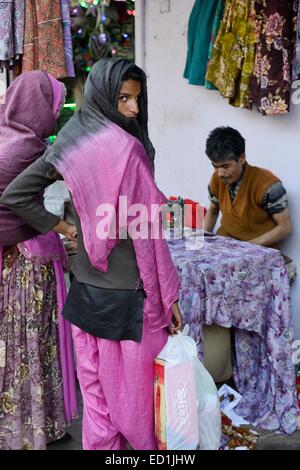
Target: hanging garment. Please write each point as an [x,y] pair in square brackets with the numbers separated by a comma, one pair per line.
[243,97]
[276,22]
[215,31]
[231,66]
[44,38]
[11,31]
[199,34]
[296,62]
[66,23]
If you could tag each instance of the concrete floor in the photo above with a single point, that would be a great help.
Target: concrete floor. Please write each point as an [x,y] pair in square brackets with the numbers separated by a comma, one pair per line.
[270,441]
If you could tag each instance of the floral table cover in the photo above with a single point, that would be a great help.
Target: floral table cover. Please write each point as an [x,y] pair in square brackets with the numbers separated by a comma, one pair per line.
[244,286]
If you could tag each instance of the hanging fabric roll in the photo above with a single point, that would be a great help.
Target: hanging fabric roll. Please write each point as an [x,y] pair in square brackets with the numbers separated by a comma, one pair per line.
[215,30]
[199,34]
[44,39]
[243,97]
[231,66]
[296,62]
[276,22]
[11,31]
[66,24]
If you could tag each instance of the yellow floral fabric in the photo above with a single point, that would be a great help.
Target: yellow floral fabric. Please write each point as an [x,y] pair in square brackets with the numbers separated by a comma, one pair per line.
[230,69]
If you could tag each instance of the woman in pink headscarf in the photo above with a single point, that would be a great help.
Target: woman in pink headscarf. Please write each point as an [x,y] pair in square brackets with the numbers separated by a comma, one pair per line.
[37,385]
[123,299]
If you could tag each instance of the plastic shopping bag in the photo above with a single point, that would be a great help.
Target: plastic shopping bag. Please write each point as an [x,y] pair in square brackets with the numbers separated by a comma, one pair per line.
[187,413]
[209,413]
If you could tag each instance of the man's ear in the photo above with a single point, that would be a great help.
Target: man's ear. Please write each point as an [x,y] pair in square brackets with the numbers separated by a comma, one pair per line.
[242,158]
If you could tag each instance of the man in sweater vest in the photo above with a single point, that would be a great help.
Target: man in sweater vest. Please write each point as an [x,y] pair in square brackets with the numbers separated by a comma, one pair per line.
[253,205]
[252,201]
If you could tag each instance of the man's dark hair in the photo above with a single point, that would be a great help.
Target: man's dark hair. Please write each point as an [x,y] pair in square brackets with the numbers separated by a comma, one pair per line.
[224,143]
[133,73]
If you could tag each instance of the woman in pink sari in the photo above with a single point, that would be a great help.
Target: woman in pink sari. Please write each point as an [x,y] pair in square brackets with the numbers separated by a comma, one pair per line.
[124,294]
[37,385]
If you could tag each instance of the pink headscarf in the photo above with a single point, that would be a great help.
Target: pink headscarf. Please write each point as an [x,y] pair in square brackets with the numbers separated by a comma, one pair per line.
[100,169]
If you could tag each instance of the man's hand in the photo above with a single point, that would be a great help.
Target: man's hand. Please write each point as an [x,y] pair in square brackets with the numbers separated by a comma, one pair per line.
[176,320]
[68,230]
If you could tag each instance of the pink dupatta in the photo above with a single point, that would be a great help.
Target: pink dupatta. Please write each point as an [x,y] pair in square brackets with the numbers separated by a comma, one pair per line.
[99,170]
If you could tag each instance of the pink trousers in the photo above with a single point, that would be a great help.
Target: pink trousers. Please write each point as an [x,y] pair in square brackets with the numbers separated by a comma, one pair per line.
[117,381]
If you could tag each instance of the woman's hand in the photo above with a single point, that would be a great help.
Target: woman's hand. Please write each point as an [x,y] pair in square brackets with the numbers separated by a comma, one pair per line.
[176,320]
[68,230]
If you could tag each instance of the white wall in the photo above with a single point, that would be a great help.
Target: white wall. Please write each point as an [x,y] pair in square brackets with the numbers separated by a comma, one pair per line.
[182,115]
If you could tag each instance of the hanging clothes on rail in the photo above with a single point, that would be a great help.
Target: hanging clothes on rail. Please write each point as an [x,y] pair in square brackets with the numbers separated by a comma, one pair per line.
[199,35]
[215,31]
[66,24]
[44,39]
[230,69]
[271,87]
[11,31]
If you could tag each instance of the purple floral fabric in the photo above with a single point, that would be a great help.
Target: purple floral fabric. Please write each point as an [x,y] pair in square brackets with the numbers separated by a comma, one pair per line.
[66,23]
[11,30]
[244,286]
[31,387]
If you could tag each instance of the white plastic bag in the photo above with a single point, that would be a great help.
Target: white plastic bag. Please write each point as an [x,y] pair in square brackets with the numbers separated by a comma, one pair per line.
[187,413]
[209,414]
